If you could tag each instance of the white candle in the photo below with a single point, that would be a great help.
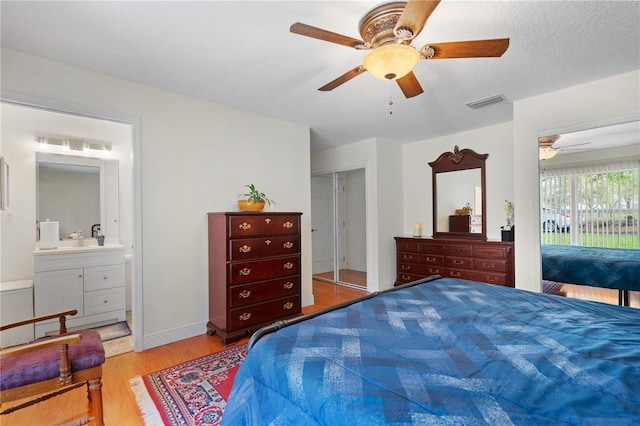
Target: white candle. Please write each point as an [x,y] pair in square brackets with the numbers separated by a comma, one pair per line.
[417,230]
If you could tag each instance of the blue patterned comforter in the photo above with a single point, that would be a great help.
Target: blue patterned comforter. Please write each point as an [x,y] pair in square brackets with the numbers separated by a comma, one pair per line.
[447,352]
[594,266]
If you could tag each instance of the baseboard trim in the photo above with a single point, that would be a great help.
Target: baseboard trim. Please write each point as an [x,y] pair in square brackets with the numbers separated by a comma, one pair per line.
[170,336]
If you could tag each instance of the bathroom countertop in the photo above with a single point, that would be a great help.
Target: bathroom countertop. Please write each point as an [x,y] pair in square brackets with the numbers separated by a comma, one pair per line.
[76,249]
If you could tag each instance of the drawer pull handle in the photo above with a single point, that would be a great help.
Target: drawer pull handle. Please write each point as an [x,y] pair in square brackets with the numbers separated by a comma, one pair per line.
[267,242]
[458,262]
[105,301]
[488,265]
[408,257]
[287,225]
[245,316]
[288,265]
[434,271]
[287,245]
[454,274]
[244,226]
[405,277]
[406,267]
[288,285]
[80,276]
[244,294]
[267,220]
[105,277]
[245,271]
[288,305]
[245,249]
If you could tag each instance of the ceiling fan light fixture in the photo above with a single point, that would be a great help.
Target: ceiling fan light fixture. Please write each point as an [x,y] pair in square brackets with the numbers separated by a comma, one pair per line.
[392,61]
[547,153]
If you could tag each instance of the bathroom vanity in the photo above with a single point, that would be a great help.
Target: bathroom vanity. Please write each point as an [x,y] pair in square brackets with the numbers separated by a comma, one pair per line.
[90,279]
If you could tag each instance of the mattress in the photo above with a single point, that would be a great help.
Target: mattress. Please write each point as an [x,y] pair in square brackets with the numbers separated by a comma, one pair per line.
[447,352]
[593,266]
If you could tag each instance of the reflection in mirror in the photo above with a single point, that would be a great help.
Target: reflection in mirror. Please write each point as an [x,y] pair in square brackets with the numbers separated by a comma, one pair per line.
[467,184]
[80,193]
[458,182]
[70,195]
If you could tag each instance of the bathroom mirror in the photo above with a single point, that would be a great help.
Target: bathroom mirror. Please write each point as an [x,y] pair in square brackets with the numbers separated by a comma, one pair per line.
[458,180]
[80,193]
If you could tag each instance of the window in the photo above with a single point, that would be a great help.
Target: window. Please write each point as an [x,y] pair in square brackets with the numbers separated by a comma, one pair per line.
[594,206]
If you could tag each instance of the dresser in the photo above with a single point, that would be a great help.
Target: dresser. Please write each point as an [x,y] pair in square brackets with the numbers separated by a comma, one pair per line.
[254,271]
[477,260]
[90,279]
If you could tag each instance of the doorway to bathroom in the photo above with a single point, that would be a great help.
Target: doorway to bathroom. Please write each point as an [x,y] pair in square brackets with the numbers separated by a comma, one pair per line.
[33,120]
[338,227]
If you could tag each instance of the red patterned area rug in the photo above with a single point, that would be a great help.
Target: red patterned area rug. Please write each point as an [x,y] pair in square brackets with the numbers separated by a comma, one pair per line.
[192,393]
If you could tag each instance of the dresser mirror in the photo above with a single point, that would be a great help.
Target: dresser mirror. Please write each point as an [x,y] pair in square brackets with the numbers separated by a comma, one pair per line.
[458,180]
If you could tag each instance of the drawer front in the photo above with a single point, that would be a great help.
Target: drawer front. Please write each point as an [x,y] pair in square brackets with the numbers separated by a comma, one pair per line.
[498,265]
[458,250]
[244,272]
[96,302]
[411,246]
[99,277]
[458,262]
[253,248]
[484,277]
[409,257]
[491,252]
[263,224]
[406,277]
[433,259]
[489,277]
[251,315]
[248,294]
[432,248]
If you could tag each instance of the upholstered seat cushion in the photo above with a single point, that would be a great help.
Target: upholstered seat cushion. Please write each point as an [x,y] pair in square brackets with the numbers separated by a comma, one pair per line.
[44,364]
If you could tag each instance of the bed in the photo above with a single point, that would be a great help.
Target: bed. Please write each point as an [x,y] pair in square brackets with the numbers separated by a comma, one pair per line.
[593,266]
[446,351]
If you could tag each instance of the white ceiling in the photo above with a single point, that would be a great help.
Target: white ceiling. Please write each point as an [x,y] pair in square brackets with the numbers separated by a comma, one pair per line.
[241,54]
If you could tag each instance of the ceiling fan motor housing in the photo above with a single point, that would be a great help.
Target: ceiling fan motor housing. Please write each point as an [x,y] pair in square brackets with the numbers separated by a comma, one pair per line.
[377,26]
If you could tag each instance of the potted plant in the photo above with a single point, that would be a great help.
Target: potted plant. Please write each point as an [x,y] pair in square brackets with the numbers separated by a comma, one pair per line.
[253,200]
[466,210]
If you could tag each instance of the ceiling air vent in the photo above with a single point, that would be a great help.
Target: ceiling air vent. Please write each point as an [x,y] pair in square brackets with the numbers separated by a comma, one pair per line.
[485,101]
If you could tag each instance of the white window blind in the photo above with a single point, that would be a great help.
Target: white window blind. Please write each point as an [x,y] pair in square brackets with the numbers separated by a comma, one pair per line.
[593,205]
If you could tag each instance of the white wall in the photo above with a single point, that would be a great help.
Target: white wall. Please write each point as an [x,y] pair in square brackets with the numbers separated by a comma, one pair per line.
[417,183]
[382,162]
[195,157]
[579,107]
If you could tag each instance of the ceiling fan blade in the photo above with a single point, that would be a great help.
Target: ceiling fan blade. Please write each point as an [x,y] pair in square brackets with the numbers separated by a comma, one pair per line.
[467,49]
[413,18]
[320,34]
[343,78]
[410,85]
[568,147]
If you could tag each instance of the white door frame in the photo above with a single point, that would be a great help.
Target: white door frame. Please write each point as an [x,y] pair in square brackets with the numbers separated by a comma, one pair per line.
[339,216]
[134,122]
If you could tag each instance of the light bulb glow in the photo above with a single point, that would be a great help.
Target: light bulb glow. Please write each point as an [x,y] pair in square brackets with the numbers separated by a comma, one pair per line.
[392,61]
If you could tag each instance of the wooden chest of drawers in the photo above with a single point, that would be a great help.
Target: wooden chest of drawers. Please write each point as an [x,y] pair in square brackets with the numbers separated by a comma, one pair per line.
[254,271]
[485,261]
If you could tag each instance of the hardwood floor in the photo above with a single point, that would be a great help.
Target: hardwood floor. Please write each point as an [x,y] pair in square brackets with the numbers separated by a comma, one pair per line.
[119,403]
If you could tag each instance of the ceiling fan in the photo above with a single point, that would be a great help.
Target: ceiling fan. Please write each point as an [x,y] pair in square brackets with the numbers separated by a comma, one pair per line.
[387,32]
[547,151]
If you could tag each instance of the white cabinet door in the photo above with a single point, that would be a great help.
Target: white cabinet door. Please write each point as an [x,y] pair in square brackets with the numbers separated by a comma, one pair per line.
[56,291]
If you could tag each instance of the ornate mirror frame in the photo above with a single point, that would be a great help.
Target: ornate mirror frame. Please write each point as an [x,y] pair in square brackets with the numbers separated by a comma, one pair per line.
[458,160]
